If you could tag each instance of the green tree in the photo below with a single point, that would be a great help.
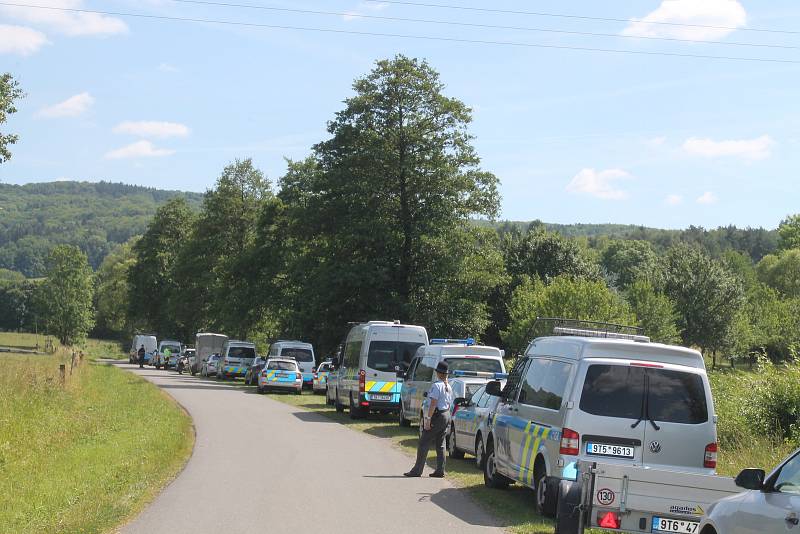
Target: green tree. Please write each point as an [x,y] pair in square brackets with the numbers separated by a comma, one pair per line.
[64,298]
[215,274]
[563,297]
[382,209]
[654,312]
[706,295]
[9,94]
[789,232]
[113,292]
[150,276]
[629,260]
[781,272]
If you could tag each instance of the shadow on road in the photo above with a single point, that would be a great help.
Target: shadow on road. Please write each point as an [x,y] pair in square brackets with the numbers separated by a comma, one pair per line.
[311,417]
[451,500]
[204,387]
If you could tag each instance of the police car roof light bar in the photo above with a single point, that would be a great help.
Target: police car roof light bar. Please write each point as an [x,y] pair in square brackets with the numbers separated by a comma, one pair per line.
[479,374]
[441,341]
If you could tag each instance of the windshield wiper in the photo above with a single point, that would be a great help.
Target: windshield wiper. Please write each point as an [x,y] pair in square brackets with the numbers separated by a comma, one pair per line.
[643,409]
[647,404]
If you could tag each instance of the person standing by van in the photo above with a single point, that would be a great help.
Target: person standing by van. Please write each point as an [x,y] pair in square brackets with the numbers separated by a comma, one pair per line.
[140,354]
[435,424]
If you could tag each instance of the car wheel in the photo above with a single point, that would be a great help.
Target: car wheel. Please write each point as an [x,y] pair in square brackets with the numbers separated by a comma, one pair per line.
[355,411]
[403,421]
[339,406]
[260,389]
[491,478]
[452,450]
[546,492]
[480,457]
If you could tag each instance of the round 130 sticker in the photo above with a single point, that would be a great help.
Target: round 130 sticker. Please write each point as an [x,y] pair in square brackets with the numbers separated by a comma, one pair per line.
[605,496]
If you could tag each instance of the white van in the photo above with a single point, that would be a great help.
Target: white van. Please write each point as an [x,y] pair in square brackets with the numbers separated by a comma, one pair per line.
[205,345]
[150,346]
[302,353]
[236,358]
[462,356]
[373,354]
[588,394]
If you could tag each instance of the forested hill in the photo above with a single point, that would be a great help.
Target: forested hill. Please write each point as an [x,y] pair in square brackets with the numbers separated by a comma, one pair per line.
[93,216]
[755,242]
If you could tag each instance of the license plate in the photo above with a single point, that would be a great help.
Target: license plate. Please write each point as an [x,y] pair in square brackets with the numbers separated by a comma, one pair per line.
[603,449]
[675,526]
[379,397]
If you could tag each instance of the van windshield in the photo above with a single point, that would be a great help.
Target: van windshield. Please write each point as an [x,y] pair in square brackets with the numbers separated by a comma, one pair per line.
[301,355]
[241,352]
[282,366]
[618,391]
[482,365]
[385,355]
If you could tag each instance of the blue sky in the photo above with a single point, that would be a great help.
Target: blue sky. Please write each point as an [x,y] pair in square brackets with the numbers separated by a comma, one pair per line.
[574,136]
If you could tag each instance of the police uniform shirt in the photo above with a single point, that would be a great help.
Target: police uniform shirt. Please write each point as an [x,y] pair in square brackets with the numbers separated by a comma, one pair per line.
[443,395]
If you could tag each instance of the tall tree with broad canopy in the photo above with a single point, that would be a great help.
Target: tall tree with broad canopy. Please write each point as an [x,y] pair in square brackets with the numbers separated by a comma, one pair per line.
[64,298]
[150,276]
[384,208]
[113,292]
[9,94]
[707,297]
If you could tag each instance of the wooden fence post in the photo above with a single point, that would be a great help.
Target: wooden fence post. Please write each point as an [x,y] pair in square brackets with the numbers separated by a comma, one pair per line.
[62,371]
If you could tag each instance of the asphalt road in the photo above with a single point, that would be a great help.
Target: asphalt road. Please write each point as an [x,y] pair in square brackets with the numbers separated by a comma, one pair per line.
[260,465]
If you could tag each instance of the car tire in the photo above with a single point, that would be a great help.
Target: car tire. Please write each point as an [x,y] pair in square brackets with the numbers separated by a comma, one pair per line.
[355,411]
[546,492]
[452,450]
[260,390]
[480,455]
[491,478]
[338,405]
[405,423]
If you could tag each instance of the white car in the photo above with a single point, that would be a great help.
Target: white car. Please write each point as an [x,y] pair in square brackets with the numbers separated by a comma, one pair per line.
[209,367]
[770,504]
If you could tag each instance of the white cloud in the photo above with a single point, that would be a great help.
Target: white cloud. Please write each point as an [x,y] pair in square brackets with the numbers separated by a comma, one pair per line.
[157,129]
[707,198]
[749,149]
[66,22]
[20,40]
[724,14]
[364,8]
[71,107]
[166,67]
[139,149]
[673,200]
[599,184]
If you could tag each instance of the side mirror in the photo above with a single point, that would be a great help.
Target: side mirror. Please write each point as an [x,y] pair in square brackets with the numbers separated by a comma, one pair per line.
[494,388]
[751,479]
[400,373]
[461,401]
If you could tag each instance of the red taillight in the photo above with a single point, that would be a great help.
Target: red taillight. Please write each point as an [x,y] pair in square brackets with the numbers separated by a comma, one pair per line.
[570,442]
[455,409]
[710,458]
[609,520]
[362,381]
[640,364]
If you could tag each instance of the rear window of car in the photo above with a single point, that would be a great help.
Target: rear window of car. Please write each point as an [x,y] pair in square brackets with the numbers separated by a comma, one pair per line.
[619,391]
[301,355]
[282,366]
[483,365]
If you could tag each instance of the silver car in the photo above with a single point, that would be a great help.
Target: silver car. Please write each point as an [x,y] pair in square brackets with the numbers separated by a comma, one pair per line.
[468,429]
[770,504]
[209,367]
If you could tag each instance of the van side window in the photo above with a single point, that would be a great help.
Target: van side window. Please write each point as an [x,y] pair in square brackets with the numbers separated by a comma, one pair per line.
[544,384]
[424,372]
[352,352]
[515,377]
[412,369]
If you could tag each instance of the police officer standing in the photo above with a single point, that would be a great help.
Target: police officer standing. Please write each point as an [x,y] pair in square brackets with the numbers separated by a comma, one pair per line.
[140,353]
[435,423]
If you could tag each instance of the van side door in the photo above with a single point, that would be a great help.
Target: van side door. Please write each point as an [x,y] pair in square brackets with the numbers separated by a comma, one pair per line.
[507,422]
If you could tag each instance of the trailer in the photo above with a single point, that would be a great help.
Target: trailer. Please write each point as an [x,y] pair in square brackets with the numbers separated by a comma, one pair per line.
[205,345]
[637,499]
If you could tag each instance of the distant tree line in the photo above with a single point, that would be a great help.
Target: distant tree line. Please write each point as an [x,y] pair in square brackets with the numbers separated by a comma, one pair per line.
[379,222]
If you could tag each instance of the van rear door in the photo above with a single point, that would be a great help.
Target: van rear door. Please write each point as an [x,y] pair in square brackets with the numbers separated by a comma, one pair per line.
[609,412]
[680,430]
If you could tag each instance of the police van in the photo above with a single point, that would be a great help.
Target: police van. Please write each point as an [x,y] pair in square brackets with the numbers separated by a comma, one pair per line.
[302,353]
[463,357]
[593,393]
[236,358]
[366,379]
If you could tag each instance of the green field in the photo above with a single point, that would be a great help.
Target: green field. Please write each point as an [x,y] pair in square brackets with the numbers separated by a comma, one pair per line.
[85,456]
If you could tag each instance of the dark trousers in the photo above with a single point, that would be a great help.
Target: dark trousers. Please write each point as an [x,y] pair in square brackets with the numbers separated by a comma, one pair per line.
[433,437]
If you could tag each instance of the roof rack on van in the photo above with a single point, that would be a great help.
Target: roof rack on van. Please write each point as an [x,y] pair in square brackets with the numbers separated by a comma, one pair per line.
[442,341]
[576,327]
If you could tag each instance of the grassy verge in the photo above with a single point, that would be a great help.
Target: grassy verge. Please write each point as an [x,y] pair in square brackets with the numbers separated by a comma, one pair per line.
[86,455]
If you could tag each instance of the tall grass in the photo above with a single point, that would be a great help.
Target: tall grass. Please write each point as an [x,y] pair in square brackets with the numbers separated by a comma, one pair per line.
[83,456]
